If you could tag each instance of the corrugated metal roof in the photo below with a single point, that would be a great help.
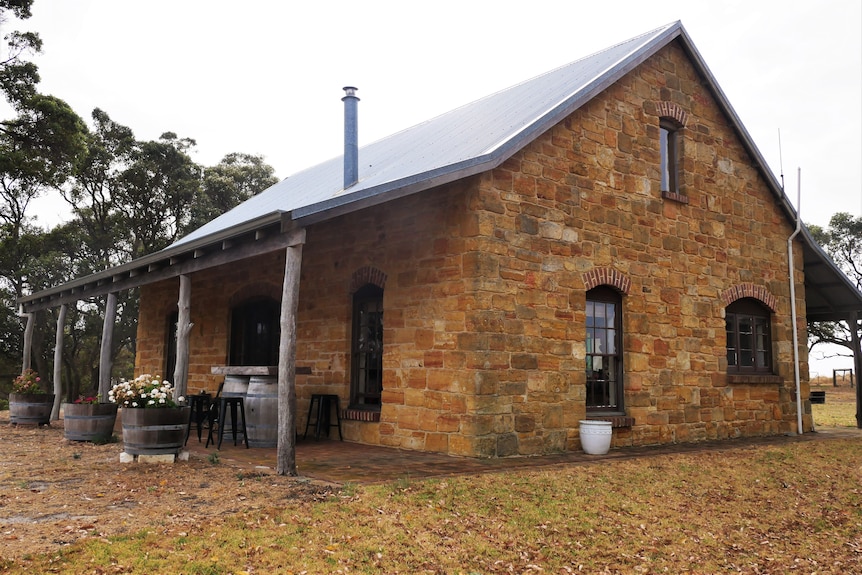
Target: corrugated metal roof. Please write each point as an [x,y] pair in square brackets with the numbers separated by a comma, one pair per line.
[468,140]
[450,146]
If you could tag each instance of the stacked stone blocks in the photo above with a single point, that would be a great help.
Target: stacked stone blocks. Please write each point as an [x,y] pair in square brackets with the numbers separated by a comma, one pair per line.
[485,283]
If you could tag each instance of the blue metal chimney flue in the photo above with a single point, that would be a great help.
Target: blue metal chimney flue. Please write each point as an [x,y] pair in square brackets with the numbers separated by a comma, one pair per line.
[351,137]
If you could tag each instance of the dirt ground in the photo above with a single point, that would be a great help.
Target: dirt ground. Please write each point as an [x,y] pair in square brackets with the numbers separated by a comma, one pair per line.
[46,502]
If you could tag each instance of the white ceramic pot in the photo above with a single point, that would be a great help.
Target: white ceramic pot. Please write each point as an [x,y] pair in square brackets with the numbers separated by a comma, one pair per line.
[595,436]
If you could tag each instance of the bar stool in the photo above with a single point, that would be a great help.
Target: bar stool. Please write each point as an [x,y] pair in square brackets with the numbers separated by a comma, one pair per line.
[200,407]
[322,420]
[234,403]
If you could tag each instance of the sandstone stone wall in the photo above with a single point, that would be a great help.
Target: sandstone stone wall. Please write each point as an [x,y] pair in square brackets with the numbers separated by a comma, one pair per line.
[485,283]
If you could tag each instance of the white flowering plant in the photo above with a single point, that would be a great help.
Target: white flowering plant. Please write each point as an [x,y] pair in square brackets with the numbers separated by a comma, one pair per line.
[147,391]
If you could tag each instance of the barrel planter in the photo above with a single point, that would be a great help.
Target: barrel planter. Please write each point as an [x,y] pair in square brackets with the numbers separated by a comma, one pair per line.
[89,421]
[596,436]
[31,408]
[154,431]
[261,411]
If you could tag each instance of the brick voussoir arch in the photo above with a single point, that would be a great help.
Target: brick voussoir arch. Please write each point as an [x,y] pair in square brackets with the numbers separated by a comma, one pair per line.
[673,111]
[367,275]
[607,276]
[743,290]
[255,290]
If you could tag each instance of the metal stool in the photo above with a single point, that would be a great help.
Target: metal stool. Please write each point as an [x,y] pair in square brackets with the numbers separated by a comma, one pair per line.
[200,407]
[322,420]
[234,403]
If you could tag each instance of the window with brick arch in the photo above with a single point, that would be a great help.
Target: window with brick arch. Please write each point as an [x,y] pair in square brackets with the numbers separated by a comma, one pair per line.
[670,146]
[604,359]
[255,333]
[366,373]
[749,341]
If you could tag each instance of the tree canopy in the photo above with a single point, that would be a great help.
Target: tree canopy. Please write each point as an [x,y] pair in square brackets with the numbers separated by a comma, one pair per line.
[126,198]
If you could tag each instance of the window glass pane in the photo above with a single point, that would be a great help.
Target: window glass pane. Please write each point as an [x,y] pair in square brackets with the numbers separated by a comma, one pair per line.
[611,342]
[590,313]
[599,319]
[732,360]
[745,333]
[610,313]
[665,164]
[729,325]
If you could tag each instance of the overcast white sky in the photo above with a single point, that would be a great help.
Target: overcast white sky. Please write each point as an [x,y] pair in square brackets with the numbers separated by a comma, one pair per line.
[265,77]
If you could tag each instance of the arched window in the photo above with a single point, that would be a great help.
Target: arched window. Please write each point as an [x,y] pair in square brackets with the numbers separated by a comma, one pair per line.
[254,332]
[749,340]
[604,351]
[366,379]
[670,147]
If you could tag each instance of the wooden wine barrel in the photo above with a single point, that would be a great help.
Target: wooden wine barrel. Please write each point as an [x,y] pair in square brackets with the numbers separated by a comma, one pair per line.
[261,411]
[154,431]
[30,408]
[89,422]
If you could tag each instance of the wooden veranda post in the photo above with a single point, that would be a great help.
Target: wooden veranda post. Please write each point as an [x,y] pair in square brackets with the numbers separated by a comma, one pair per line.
[184,327]
[857,363]
[286,461]
[28,340]
[58,363]
[106,363]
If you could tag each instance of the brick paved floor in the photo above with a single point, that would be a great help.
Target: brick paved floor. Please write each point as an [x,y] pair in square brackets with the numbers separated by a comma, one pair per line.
[343,462]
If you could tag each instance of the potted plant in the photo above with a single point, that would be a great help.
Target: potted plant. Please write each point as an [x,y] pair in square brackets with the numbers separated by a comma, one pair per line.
[154,423]
[29,403]
[88,419]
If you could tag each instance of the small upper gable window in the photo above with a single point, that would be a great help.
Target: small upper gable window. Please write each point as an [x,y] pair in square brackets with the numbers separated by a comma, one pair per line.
[672,121]
[670,146]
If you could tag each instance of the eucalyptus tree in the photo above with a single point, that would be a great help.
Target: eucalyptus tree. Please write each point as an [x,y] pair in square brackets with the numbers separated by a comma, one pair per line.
[41,145]
[156,191]
[236,178]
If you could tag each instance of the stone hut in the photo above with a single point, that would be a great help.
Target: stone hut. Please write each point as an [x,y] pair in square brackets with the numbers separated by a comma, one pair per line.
[603,241]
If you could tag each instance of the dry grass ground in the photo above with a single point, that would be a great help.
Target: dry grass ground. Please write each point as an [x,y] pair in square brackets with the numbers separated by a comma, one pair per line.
[791,507]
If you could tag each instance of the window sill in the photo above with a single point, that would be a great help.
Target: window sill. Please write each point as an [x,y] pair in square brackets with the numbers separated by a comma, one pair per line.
[676,197]
[753,378]
[616,420]
[360,415]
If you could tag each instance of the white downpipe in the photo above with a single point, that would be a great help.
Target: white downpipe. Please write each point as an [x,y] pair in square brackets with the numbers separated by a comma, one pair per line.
[793,302]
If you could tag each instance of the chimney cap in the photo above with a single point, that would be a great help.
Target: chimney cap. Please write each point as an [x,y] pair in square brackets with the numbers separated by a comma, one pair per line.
[350,90]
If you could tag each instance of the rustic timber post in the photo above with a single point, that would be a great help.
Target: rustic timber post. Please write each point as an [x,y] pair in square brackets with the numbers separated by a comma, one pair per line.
[184,328]
[857,363]
[58,363]
[28,340]
[106,363]
[286,462]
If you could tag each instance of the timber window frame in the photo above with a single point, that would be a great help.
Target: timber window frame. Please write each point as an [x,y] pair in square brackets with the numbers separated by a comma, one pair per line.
[749,337]
[366,349]
[604,352]
[670,151]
